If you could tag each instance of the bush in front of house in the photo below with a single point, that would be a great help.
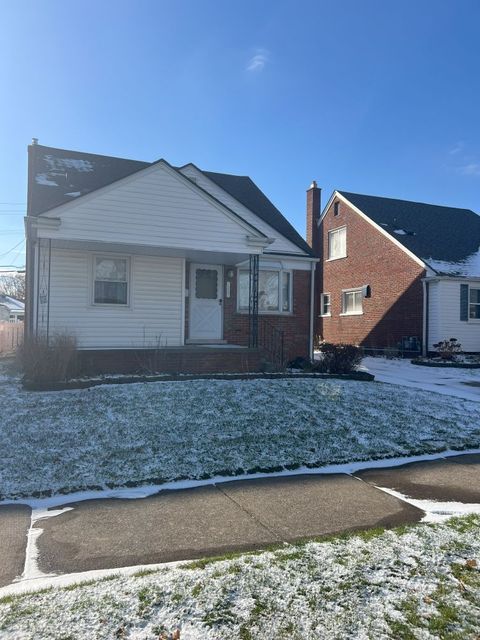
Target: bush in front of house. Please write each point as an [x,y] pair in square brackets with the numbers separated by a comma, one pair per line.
[448,349]
[338,358]
[48,361]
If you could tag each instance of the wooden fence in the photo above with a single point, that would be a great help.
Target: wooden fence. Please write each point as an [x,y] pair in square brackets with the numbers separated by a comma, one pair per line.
[11,335]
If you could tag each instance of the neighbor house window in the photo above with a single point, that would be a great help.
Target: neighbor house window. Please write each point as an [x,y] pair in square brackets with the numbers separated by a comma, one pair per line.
[352,302]
[274,291]
[110,280]
[337,243]
[336,207]
[474,304]
[325,304]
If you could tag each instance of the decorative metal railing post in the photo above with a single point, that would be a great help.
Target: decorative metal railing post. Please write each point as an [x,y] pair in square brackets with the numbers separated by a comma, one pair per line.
[253,301]
[43,287]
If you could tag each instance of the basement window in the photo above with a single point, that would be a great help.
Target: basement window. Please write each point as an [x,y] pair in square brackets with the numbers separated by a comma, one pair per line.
[110,284]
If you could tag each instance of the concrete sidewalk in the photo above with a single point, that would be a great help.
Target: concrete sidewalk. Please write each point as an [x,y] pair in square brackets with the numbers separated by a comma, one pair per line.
[232,516]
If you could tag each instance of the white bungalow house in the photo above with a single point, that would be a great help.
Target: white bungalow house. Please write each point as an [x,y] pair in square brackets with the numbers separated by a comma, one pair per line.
[130,256]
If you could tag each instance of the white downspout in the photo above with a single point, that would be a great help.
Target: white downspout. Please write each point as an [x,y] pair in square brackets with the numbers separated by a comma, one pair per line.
[312,304]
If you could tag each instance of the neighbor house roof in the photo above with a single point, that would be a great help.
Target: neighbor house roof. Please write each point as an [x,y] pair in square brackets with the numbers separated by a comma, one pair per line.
[446,238]
[57,176]
[12,304]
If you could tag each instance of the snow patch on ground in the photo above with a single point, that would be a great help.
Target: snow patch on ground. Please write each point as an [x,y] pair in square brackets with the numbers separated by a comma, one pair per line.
[447,381]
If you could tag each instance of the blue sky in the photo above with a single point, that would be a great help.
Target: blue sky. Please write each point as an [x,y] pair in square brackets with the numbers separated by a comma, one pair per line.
[377,96]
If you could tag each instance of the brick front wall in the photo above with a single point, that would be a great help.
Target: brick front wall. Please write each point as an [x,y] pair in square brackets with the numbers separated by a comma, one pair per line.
[394,309]
[295,326]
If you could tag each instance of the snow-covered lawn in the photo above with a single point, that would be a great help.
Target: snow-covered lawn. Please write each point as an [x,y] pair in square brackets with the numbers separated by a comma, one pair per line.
[163,431]
[461,383]
[422,583]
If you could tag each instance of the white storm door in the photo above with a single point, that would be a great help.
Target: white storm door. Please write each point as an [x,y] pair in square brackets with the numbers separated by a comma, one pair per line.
[206,302]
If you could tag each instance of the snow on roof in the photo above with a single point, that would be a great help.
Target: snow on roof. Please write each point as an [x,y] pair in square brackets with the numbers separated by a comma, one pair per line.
[12,303]
[469,267]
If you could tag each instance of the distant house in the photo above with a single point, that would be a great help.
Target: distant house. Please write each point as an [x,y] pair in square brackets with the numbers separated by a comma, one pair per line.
[134,256]
[11,309]
[395,273]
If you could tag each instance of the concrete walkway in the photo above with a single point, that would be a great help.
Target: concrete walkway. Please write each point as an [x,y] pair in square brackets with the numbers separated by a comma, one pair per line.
[237,515]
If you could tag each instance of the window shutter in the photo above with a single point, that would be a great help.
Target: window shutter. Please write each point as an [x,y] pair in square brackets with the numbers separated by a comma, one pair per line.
[464,302]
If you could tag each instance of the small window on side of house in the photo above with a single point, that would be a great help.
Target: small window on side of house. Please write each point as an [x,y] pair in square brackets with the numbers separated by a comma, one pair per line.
[352,302]
[110,280]
[336,208]
[325,305]
[337,243]
[474,304]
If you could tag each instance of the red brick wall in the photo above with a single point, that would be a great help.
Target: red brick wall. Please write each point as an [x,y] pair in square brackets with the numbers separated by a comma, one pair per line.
[295,326]
[170,360]
[394,309]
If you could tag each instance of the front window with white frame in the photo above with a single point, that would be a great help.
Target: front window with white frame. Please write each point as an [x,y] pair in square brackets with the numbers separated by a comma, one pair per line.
[352,302]
[110,280]
[325,304]
[274,290]
[337,243]
[474,304]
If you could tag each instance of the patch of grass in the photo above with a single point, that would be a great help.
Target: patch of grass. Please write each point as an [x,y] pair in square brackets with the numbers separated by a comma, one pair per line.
[144,572]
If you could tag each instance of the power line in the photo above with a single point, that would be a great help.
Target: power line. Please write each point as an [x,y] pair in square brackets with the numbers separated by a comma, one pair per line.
[12,249]
[14,203]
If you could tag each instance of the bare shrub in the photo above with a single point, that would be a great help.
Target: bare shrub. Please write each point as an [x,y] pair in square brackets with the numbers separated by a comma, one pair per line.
[339,358]
[44,362]
[448,349]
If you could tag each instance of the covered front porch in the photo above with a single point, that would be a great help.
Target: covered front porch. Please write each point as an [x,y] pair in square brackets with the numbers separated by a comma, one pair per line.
[153,309]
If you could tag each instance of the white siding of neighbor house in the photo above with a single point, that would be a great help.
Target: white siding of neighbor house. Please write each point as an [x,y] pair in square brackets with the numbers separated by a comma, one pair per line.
[155,207]
[280,243]
[155,311]
[444,316]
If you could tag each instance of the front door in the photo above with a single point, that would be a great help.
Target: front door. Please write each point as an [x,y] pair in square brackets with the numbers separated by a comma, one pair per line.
[206,302]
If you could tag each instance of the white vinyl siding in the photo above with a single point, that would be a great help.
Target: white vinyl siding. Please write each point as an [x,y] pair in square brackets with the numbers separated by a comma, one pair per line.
[154,315]
[444,315]
[337,243]
[152,208]
[280,243]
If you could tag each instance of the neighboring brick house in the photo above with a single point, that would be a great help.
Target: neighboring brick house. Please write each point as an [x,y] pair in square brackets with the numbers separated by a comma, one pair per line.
[132,257]
[385,265]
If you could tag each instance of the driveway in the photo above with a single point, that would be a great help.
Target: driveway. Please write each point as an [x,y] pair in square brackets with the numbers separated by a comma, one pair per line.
[461,383]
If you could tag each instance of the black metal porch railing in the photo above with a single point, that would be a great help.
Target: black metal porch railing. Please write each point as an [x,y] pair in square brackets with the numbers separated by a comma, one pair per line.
[272,341]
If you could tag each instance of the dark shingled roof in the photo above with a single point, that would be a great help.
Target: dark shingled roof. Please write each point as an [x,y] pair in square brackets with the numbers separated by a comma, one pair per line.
[57,176]
[243,189]
[429,231]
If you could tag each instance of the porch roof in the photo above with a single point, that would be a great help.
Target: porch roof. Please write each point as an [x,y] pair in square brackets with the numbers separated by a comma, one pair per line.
[192,255]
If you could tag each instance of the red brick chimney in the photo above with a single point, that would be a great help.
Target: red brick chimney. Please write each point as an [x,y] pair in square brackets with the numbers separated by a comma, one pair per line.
[314,196]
